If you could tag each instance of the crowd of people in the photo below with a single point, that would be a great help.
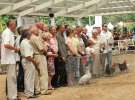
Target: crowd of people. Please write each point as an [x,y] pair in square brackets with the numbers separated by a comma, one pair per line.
[124,34]
[49,57]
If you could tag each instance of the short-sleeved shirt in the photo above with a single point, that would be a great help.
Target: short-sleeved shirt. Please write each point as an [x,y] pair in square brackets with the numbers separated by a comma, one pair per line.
[89,51]
[106,38]
[37,44]
[7,55]
[26,48]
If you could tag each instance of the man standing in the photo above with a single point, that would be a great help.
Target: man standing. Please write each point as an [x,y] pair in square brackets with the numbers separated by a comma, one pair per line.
[60,62]
[8,57]
[41,77]
[85,37]
[20,76]
[107,42]
[28,64]
[43,28]
[80,70]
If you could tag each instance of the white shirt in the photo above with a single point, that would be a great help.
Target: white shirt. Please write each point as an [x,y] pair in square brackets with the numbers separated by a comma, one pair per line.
[106,38]
[17,45]
[7,55]
[26,48]
[89,51]
[107,35]
[65,35]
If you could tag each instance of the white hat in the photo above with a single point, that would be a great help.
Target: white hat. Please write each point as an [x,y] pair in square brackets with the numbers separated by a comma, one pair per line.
[96,25]
[94,31]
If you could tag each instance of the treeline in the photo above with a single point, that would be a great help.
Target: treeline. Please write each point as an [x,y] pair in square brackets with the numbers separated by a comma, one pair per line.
[114,19]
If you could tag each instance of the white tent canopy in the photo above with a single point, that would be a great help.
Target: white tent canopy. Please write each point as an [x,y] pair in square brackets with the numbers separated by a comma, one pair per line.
[69,8]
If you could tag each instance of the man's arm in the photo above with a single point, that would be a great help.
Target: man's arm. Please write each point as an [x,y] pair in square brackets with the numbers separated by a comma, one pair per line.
[11,47]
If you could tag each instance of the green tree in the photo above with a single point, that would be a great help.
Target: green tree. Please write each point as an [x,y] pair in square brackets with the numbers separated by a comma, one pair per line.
[3,21]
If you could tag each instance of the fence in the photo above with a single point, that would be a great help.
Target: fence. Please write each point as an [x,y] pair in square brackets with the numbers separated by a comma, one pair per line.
[124,46]
[120,48]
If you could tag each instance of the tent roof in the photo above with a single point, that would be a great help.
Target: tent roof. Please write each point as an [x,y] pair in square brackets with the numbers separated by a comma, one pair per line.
[69,8]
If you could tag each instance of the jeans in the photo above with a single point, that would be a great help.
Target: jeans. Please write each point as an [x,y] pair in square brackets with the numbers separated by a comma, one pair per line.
[106,61]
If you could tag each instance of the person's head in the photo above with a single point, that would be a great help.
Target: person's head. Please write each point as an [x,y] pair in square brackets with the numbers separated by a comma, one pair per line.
[104,27]
[94,33]
[61,28]
[40,25]
[84,30]
[70,32]
[19,30]
[66,27]
[99,30]
[25,34]
[45,28]
[46,36]
[98,27]
[90,43]
[53,30]
[34,30]
[11,24]
[78,30]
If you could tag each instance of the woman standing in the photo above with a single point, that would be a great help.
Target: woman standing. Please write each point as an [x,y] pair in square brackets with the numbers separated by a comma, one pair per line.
[96,64]
[72,46]
[54,48]
[51,44]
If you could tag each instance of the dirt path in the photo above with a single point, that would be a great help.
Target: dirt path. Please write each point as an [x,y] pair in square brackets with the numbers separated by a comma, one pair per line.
[119,87]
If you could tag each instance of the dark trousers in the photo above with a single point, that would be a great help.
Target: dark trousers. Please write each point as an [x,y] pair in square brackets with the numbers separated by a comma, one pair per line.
[20,77]
[60,77]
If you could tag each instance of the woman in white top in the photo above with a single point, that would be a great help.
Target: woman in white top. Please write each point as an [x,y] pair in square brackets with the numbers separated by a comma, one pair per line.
[96,64]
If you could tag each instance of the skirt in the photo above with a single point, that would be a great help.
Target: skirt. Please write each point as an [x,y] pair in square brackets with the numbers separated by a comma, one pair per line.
[51,67]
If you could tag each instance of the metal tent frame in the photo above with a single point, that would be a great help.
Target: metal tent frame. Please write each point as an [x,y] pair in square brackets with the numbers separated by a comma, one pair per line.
[69,8]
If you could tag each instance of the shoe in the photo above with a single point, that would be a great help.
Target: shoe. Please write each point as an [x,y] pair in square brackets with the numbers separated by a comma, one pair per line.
[30,97]
[51,88]
[46,93]
[37,93]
